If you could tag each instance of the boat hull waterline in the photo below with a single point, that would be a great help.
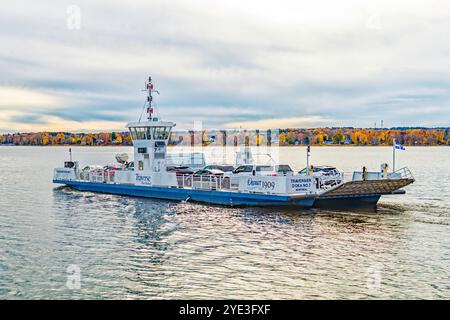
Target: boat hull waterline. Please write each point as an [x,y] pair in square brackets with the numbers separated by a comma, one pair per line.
[206,196]
[224,198]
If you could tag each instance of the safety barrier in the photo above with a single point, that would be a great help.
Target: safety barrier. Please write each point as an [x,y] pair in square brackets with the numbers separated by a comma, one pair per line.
[205,182]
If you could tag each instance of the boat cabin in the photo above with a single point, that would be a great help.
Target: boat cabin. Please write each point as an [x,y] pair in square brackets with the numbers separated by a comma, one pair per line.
[150,140]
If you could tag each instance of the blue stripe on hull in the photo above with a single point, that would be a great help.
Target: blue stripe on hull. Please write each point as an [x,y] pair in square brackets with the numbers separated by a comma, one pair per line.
[348,201]
[215,197]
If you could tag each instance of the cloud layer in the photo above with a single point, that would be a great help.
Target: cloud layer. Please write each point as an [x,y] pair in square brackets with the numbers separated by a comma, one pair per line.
[226,63]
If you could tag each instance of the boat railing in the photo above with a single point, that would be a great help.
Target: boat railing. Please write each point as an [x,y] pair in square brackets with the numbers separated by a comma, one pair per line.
[205,182]
[347,176]
[84,176]
[403,173]
[99,176]
[184,181]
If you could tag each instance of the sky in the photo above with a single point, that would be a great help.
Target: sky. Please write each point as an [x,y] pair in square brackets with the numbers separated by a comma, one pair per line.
[80,65]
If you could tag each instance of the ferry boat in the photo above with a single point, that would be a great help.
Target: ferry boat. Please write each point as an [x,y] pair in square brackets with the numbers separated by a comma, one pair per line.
[147,176]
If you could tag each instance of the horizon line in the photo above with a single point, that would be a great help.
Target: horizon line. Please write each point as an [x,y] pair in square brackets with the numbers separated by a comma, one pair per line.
[233,129]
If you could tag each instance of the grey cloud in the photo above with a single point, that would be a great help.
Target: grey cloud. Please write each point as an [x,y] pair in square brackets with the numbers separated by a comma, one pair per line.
[201,56]
[28,119]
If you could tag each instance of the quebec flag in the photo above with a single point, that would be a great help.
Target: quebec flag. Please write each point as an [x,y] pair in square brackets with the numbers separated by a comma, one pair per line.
[399,146]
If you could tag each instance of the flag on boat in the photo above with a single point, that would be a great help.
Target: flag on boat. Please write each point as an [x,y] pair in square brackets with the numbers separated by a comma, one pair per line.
[398,146]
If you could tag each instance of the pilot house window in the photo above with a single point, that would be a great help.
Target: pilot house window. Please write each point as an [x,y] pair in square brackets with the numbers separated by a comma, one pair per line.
[158,133]
[133,133]
[139,133]
[161,133]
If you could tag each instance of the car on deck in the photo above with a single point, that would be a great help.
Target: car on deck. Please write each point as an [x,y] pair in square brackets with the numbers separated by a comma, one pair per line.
[180,170]
[223,167]
[263,170]
[209,172]
[328,175]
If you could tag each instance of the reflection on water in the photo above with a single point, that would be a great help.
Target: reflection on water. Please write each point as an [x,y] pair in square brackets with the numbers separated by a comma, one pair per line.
[142,248]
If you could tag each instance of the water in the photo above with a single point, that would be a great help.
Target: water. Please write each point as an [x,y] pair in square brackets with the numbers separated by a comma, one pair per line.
[136,248]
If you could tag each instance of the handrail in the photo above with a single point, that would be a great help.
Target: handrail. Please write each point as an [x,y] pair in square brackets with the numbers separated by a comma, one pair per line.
[105,176]
[404,173]
[205,182]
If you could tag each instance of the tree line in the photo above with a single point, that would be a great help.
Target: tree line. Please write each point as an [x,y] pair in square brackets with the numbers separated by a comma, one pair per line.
[284,137]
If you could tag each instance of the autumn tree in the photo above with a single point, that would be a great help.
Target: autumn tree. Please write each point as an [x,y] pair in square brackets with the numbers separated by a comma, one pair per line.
[338,137]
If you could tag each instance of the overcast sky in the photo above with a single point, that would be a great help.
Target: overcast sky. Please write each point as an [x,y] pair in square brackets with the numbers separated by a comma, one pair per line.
[226,63]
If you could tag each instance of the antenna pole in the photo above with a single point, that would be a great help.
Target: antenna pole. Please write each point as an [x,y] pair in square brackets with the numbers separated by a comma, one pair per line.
[149,88]
[308,149]
[393,155]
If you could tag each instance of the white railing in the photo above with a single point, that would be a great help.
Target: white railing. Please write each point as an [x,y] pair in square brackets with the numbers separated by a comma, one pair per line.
[103,176]
[84,175]
[184,181]
[403,173]
[205,182]
[347,176]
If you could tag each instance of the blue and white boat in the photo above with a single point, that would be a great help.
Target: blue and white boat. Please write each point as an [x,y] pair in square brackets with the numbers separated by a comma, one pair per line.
[148,177]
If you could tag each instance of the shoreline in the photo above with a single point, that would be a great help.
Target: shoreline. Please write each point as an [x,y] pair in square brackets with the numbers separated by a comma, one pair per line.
[217,146]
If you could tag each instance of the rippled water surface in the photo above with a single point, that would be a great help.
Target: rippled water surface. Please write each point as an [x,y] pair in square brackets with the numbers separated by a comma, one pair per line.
[146,249]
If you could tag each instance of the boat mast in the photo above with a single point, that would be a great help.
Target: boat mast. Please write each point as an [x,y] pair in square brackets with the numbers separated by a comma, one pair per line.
[150,90]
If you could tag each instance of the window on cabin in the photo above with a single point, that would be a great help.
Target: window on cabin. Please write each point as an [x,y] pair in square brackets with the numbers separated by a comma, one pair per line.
[142,133]
[141,165]
[133,133]
[149,133]
[161,133]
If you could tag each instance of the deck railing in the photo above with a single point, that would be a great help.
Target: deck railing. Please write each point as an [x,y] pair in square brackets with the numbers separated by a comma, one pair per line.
[99,176]
[205,182]
[403,173]
[188,181]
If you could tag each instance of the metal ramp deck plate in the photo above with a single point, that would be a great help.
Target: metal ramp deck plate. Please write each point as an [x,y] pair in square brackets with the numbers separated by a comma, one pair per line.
[386,186]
